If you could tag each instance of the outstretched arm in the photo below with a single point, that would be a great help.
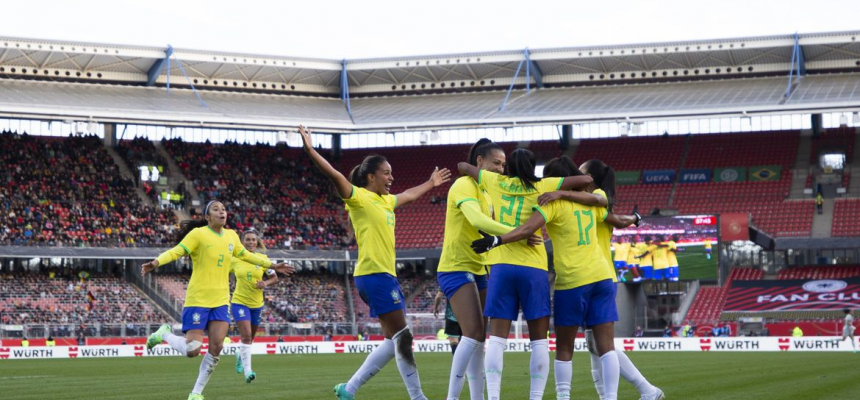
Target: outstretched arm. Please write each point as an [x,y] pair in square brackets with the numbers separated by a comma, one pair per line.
[576,182]
[584,198]
[344,188]
[438,177]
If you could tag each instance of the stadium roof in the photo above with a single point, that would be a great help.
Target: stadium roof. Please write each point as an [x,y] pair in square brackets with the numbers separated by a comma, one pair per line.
[68,80]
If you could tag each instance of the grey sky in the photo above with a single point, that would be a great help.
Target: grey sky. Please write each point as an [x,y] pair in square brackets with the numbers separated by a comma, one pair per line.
[383,28]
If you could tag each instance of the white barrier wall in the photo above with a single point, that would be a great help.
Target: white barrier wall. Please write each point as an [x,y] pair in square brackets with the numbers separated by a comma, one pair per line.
[818,343]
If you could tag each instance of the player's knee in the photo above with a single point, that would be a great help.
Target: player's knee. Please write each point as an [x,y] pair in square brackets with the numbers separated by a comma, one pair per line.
[247,339]
[215,349]
[192,348]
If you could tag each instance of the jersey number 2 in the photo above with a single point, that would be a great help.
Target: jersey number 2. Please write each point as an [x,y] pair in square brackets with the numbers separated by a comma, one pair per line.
[584,239]
[220,260]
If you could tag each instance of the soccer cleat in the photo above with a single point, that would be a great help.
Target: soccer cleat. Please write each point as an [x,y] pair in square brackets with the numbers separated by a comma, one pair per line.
[341,393]
[249,377]
[239,368]
[155,338]
[657,394]
[195,396]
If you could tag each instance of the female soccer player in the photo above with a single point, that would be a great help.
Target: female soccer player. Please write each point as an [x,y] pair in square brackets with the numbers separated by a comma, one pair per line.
[604,189]
[247,303]
[370,205]
[519,271]
[212,248]
[462,273]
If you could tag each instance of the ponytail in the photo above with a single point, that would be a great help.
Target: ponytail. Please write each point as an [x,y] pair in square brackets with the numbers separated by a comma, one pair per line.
[604,178]
[522,165]
[561,167]
[188,225]
[482,148]
[371,163]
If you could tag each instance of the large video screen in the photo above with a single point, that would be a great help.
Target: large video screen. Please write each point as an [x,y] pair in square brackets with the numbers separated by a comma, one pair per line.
[680,247]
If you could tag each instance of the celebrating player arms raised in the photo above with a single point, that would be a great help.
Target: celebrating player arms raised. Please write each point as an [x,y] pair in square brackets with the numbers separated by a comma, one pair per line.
[370,204]
[212,248]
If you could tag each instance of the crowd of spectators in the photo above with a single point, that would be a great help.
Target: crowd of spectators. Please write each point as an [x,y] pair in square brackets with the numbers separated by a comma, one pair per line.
[68,192]
[64,298]
[272,188]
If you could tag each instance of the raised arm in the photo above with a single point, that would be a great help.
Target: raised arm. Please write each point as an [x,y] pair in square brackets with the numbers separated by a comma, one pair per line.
[472,211]
[167,257]
[437,178]
[344,188]
[584,198]
[576,182]
[469,170]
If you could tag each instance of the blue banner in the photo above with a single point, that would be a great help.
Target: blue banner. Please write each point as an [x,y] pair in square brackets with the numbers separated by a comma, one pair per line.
[658,176]
[695,176]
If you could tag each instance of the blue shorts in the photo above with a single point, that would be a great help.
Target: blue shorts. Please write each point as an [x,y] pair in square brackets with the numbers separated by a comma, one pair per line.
[381,292]
[515,286]
[674,273]
[661,274]
[242,312]
[194,318]
[707,250]
[450,282]
[620,264]
[646,272]
[587,305]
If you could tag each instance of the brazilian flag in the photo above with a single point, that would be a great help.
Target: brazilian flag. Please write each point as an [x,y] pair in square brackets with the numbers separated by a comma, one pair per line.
[765,173]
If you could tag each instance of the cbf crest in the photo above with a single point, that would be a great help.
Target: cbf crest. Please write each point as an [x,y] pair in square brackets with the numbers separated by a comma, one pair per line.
[470,277]
[395,296]
[195,318]
[230,247]
[241,313]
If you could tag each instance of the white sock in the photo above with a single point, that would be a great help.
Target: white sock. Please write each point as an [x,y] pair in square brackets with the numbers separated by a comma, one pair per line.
[475,373]
[563,375]
[406,363]
[611,370]
[374,362]
[176,342]
[631,374]
[539,368]
[462,357]
[245,355]
[207,367]
[494,363]
[597,374]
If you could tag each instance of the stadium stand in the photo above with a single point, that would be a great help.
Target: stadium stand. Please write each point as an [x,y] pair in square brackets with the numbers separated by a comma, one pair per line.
[37,298]
[846,213]
[839,139]
[709,302]
[69,192]
[820,272]
[274,189]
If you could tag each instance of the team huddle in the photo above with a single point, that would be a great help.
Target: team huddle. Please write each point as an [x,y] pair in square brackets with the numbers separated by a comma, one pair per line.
[655,258]
[493,265]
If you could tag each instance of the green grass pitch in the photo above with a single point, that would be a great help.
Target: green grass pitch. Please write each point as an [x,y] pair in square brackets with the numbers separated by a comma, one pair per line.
[687,376]
[693,264]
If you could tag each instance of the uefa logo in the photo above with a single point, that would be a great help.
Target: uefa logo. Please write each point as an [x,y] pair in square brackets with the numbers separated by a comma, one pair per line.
[824,286]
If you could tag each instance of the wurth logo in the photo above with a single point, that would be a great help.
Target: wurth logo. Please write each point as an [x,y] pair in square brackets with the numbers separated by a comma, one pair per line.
[628,344]
[73,352]
[4,353]
[705,344]
[271,348]
[138,351]
[784,344]
[204,349]
[339,347]
[551,345]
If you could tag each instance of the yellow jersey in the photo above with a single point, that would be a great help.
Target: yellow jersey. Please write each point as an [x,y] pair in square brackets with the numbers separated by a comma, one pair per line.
[247,275]
[673,257]
[707,244]
[604,237]
[632,254]
[211,256]
[577,253]
[661,257]
[513,205]
[372,218]
[621,251]
[648,260]
[457,253]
